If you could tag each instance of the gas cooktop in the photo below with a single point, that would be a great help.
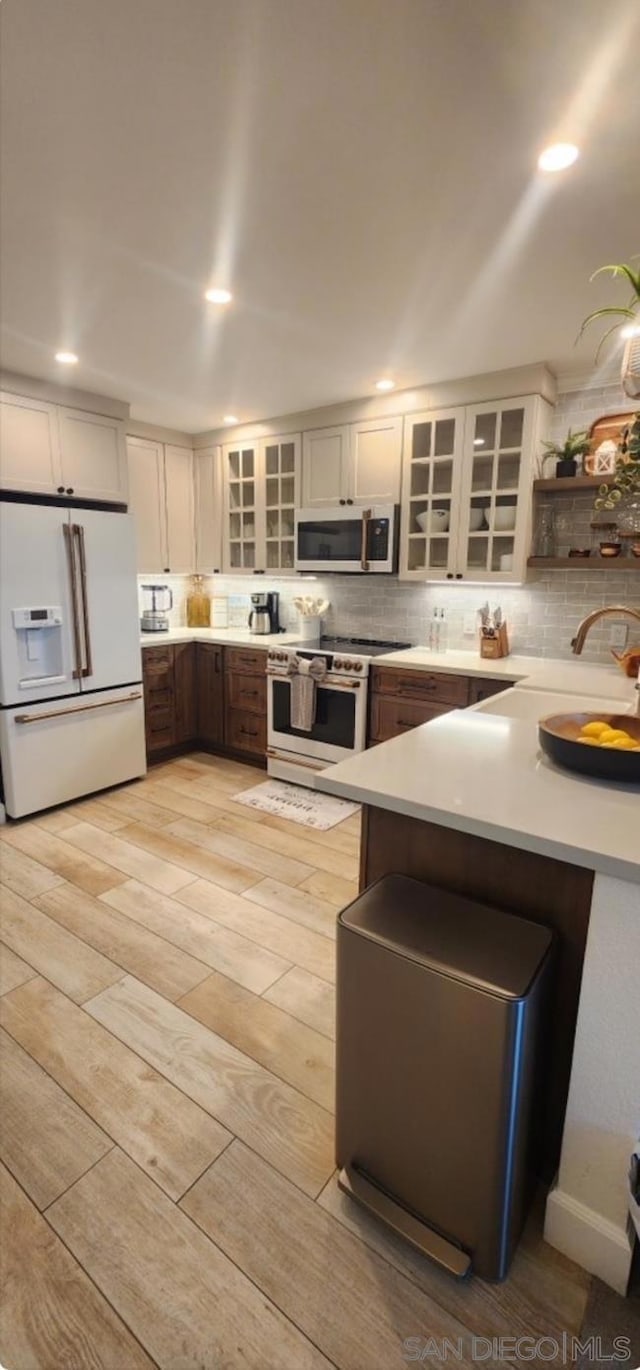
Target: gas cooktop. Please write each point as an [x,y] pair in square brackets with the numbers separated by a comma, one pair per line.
[360,646]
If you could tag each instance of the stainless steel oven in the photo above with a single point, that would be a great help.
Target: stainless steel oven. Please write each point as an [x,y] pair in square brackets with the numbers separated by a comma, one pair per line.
[340,726]
[349,539]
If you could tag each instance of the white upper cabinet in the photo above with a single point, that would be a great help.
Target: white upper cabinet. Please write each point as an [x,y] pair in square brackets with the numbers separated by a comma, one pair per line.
[181,532]
[207,468]
[261,485]
[161,497]
[29,445]
[467,480]
[51,450]
[325,467]
[93,456]
[147,502]
[357,463]
[375,459]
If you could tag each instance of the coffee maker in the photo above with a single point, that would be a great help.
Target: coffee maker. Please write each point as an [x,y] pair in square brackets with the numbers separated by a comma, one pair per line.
[265,612]
[259,618]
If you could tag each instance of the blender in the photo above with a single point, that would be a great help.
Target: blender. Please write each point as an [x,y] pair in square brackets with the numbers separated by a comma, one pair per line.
[156,602]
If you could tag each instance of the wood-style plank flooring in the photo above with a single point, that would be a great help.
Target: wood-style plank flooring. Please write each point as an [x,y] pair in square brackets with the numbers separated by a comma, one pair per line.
[167,962]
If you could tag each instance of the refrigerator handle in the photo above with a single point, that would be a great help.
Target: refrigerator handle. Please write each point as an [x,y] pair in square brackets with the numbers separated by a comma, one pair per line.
[78,532]
[67,533]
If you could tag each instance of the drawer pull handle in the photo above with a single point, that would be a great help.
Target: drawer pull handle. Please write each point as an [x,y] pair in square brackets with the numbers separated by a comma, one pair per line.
[402,723]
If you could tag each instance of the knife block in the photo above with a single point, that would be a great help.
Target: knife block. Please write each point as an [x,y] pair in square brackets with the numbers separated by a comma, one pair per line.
[492,648]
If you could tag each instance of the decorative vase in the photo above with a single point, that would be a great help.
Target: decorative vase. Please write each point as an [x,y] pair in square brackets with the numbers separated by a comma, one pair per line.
[198,605]
[567,466]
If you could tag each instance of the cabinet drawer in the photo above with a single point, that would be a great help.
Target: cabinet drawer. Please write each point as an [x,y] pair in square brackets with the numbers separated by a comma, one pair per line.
[391,717]
[421,685]
[246,732]
[247,692]
[159,729]
[158,696]
[156,659]
[245,660]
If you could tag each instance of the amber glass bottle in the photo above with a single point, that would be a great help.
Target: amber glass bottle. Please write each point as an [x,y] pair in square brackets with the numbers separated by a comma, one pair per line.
[198,605]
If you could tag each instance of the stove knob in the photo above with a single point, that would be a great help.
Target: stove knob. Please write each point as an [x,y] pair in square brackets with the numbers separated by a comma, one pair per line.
[338,663]
[357,665]
[348,665]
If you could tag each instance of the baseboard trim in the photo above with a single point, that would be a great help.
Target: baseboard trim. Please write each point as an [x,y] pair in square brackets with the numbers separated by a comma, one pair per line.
[590,1240]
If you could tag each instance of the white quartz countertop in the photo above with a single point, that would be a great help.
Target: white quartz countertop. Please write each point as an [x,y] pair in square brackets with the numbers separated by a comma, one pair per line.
[484,773]
[225,637]
[541,673]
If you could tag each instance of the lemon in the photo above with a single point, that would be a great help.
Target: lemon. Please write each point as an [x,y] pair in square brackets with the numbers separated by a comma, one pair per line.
[621,744]
[612,734]
[589,741]
[594,729]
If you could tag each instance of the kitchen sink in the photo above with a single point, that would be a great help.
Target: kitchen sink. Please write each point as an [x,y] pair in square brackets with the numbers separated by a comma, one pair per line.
[536,704]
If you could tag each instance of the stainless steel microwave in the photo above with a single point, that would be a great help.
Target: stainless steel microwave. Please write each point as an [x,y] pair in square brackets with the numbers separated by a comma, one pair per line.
[348,539]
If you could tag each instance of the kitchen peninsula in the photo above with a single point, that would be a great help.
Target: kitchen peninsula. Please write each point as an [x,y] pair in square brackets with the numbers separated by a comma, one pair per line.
[468,803]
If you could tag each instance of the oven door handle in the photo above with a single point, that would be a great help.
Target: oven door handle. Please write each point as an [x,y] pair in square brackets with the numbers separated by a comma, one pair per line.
[320,684]
[364,546]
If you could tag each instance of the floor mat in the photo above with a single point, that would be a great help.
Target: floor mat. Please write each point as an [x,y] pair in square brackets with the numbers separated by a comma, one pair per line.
[298,804]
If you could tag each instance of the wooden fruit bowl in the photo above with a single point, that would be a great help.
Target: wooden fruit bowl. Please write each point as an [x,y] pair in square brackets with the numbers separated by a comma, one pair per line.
[559,735]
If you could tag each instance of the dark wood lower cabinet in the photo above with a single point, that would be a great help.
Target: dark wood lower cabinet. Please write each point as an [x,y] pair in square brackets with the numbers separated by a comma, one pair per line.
[245,725]
[402,699]
[202,694]
[210,693]
[159,698]
[184,686]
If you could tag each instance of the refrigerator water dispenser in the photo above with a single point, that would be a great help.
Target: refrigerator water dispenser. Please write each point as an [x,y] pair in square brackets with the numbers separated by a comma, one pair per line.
[39,634]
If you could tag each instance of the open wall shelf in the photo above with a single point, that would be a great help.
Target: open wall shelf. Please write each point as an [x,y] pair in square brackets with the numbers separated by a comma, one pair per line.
[596,563]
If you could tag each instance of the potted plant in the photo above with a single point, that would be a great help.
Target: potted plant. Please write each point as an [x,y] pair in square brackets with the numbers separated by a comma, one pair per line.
[625,315]
[566,453]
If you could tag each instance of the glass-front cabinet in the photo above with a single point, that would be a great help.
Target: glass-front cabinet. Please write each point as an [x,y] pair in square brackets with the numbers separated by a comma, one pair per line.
[280,467]
[260,481]
[467,484]
[431,493]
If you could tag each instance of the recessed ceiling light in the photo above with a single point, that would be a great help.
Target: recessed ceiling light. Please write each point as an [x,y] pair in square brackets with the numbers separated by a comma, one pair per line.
[630,330]
[558,156]
[218,296]
[478,442]
[66,358]
[230,418]
[385,384]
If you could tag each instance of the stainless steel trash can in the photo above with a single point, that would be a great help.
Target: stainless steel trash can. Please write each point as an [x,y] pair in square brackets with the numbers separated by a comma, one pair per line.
[440,1008]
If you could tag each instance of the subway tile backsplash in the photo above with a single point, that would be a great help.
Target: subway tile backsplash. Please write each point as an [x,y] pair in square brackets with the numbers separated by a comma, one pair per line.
[542,615]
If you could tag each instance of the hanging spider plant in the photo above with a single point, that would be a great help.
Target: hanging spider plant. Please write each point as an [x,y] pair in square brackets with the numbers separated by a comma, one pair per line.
[622,313]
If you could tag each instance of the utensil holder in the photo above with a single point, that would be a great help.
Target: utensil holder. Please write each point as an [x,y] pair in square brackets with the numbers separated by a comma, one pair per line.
[310,627]
[492,648]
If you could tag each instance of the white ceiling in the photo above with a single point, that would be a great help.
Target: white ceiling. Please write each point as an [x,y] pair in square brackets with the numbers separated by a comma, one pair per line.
[361,173]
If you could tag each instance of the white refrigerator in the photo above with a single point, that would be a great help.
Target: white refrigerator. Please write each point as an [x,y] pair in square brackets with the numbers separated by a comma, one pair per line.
[71,700]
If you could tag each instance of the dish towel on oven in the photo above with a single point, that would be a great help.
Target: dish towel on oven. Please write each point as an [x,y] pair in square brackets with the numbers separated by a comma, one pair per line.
[305,675]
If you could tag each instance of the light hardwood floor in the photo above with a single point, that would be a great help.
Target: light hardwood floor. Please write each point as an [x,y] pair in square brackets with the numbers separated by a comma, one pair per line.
[167,963]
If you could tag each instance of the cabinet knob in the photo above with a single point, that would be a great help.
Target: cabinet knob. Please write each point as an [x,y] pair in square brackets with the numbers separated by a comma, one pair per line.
[69,489]
[167,570]
[61,489]
[458,575]
[349,501]
[343,501]
[449,575]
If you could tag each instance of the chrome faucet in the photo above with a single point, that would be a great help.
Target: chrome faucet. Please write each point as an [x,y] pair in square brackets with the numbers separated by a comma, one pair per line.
[611,611]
